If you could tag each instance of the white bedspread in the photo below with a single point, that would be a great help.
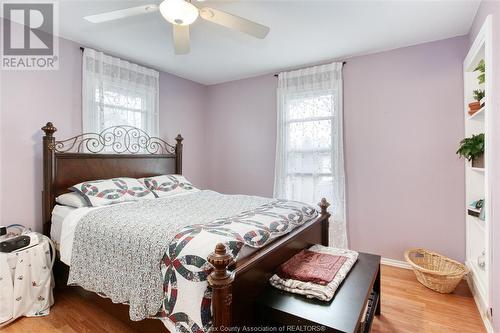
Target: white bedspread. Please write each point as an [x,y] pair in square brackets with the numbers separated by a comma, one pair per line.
[67,230]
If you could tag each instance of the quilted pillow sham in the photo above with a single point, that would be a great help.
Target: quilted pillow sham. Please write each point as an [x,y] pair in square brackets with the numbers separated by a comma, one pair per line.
[109,191]
[168,185]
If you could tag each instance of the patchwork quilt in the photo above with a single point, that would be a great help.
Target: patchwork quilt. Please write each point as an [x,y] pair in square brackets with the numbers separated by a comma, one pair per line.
[153,253]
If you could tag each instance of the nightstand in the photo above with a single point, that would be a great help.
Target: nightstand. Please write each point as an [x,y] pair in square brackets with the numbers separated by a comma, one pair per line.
[20,273]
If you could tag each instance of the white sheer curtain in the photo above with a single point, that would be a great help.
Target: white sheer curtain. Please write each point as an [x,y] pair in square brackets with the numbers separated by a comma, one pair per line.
[117,92]
[309,150]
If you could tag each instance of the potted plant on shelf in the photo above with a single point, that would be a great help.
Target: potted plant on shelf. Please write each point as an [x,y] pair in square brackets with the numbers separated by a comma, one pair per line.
[473,150]
[481,68]
[476,106]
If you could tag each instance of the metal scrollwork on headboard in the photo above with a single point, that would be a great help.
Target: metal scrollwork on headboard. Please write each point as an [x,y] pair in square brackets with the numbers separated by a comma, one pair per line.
[122,139]
[118,151]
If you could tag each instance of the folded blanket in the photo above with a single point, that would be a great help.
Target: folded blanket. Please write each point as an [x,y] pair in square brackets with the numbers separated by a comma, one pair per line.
[310,266]
[314,290]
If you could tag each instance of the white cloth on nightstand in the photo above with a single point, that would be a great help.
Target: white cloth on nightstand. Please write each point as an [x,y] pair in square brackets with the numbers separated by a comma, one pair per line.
[20,274]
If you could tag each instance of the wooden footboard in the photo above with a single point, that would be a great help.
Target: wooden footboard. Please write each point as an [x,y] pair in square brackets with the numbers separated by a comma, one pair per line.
[244,281]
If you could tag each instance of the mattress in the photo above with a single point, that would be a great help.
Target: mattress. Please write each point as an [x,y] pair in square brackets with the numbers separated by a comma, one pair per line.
[59,213]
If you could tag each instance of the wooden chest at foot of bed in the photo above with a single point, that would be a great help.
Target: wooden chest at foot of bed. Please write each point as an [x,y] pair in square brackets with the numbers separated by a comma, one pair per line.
[350,311]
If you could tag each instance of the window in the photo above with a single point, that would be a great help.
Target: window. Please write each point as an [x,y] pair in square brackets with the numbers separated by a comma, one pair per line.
[116,92]
[309,147]
[308,160]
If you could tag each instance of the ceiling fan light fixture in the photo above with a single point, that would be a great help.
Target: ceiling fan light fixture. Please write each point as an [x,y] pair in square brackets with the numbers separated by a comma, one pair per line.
[179,12]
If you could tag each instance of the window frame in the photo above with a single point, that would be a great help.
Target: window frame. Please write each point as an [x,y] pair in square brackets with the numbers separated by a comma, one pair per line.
[286,122]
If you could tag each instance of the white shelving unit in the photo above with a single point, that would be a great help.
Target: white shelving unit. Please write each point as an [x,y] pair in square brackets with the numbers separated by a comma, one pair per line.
[478,232]
[479,115]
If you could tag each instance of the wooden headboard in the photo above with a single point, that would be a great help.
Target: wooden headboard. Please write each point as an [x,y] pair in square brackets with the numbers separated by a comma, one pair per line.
[118,151]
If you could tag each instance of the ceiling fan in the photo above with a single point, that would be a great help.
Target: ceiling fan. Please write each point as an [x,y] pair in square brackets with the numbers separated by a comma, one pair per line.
[182,13]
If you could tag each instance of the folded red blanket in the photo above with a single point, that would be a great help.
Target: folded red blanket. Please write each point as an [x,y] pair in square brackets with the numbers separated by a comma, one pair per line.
[310,266]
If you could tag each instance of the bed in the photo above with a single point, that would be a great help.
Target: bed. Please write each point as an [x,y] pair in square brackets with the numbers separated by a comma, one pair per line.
[125,151]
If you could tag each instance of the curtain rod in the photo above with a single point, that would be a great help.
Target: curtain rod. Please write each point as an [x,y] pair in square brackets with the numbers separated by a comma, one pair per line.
[275,75]
[343,63]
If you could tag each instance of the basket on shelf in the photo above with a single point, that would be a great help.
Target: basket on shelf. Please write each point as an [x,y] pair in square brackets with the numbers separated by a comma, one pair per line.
[435,271]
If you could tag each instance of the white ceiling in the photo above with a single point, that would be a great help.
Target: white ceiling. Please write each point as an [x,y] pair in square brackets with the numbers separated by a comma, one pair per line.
[302,32]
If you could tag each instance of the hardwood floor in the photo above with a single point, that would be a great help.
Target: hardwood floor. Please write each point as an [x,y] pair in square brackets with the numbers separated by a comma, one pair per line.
[407,307]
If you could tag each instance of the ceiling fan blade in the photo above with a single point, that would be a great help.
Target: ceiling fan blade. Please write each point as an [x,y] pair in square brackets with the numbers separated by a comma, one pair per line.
[234,22]
[181,39]
[121,13]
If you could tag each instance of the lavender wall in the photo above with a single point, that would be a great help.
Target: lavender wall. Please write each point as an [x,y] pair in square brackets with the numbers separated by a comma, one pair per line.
[493,8]
[182,110]
[28,100]
[403,120]
[31,98]
[241,132]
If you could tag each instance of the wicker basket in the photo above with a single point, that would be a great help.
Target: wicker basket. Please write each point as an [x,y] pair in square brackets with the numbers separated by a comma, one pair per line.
[435,271]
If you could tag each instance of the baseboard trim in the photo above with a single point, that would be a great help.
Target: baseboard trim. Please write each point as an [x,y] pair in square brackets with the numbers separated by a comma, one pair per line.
[480,305]
[395,263]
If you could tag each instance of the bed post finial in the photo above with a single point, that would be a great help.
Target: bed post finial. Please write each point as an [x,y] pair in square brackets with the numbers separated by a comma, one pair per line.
[323,204]
[49,129]
[48,175]
[325,227]
[221,279]
[178,154]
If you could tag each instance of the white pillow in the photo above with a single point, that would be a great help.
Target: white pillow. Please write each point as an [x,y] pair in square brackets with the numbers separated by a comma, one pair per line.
[72,199]
[110,191]
[168,185]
